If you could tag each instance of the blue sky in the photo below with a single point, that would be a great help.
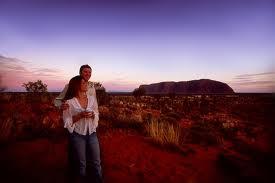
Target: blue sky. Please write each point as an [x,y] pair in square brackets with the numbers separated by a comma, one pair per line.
[141,42]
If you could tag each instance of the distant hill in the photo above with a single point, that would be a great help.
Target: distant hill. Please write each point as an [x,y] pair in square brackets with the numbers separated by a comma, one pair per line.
[202,86]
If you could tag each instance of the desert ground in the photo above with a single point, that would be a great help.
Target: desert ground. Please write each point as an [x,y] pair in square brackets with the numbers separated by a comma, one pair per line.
[173,138]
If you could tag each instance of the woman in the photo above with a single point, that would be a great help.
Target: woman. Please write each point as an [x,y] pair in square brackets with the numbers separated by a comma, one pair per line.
[81,120]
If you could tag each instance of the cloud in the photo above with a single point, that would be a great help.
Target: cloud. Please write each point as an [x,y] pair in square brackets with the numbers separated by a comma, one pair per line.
[13,60]
[15,72]
[11,64]
[254,75]
[258,82]
[46,70]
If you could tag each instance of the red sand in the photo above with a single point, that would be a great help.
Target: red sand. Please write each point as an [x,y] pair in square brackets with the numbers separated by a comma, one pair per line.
[132,158]
[126,157]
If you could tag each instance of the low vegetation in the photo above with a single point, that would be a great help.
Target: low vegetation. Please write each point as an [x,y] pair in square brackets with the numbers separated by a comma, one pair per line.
[163,133]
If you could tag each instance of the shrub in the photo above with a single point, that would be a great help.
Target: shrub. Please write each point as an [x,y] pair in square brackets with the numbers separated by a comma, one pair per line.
[102,97]
[163,133]
[37,86]
[206,132]
[133,121]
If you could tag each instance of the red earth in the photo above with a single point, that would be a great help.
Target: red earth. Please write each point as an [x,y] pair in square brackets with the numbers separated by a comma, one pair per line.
[126,157]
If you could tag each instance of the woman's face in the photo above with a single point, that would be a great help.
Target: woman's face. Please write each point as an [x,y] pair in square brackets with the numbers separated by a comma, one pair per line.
[83,85]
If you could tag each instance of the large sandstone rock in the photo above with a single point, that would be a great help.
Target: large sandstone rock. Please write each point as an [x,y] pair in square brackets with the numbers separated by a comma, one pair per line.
[202,86]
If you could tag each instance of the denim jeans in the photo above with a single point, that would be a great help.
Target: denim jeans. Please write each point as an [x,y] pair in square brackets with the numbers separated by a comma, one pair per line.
[86,153]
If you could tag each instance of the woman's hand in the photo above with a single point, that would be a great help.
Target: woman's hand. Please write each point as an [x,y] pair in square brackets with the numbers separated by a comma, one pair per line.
[88,114]
[84,114]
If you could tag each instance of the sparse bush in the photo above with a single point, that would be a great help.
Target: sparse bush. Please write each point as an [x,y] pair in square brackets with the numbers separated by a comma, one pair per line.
[133,121]
[101,94]
[206,132]
[163,133]
[37,86]
[122,117]
[102,97]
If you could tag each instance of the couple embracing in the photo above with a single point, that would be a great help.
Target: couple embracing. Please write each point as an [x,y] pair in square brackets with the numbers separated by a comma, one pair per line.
[80,116]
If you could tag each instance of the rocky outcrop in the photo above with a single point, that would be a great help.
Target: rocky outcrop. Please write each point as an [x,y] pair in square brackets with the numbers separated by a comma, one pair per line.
[202,86]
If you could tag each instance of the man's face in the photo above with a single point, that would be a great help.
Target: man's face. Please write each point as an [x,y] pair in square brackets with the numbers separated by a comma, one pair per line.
[86,73]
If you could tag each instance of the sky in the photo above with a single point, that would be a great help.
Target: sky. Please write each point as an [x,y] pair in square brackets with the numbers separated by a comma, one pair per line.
[129,43]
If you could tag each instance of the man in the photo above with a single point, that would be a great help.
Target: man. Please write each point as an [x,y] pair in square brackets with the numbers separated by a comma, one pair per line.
[85,71]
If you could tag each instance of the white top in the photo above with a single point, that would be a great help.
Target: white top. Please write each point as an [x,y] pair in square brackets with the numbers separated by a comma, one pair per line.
[84,124]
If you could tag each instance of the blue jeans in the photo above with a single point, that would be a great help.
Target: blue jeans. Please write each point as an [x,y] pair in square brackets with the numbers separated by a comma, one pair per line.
[86,153]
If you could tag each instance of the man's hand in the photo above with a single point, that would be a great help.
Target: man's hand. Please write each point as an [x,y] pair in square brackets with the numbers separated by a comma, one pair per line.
[64,106]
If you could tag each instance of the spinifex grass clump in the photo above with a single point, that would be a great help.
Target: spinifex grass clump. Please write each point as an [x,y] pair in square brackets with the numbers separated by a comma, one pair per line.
[163,133]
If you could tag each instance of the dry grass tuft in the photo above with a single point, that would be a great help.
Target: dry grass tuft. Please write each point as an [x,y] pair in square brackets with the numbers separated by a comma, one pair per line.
[163,133]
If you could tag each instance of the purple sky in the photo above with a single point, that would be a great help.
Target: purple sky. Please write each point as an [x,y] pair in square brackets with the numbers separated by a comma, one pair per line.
[138,42]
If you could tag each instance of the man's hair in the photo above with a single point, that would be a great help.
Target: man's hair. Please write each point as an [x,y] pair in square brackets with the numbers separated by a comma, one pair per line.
[74,87]
[83,67]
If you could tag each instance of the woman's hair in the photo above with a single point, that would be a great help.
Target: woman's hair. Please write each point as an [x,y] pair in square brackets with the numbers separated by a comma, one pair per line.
[74,86]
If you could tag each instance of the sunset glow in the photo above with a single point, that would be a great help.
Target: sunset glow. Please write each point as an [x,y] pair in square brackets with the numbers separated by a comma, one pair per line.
[129,44]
